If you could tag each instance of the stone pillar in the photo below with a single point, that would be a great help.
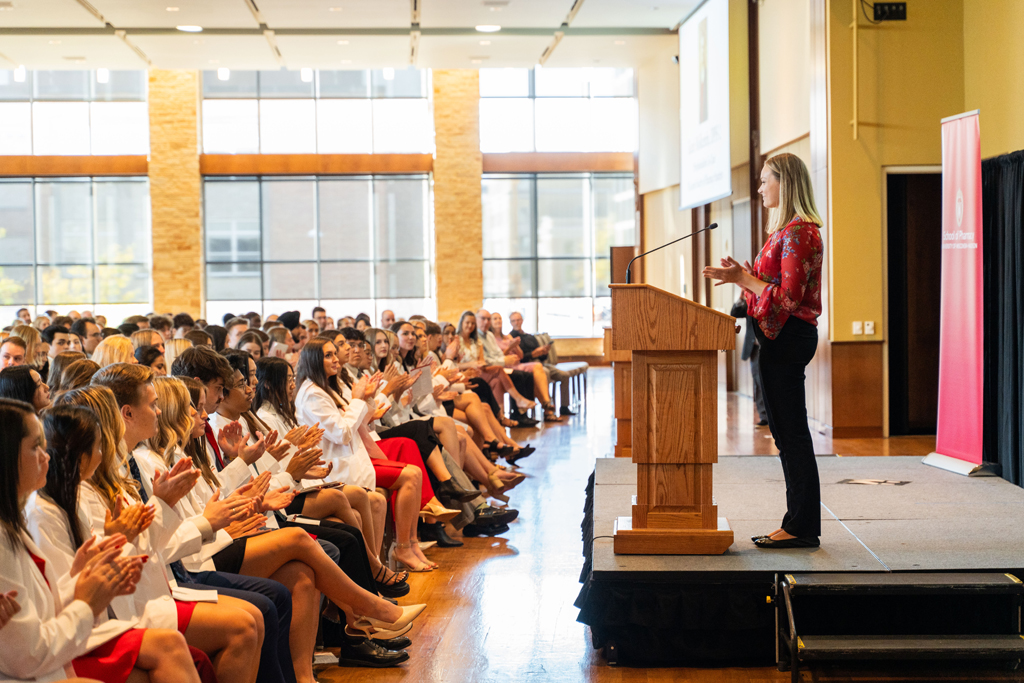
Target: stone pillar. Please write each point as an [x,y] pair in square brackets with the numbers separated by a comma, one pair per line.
[176,191]
[458,168]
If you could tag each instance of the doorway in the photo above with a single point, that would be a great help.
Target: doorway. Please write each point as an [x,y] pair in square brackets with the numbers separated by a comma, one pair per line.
[914,271]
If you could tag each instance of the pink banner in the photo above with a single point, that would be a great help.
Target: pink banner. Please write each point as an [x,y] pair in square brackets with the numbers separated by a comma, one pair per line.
[961,327]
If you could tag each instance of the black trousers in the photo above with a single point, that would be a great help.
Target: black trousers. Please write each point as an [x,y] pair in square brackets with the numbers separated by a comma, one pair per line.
[782,362]
[349,541]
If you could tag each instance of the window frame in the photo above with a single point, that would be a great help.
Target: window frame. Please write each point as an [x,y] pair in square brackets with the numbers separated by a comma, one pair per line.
[258,265]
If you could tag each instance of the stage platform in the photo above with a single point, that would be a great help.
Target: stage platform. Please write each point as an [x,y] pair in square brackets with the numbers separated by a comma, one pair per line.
[901,516]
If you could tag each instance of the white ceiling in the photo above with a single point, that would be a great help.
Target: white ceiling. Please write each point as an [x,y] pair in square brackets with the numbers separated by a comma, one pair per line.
[41,33]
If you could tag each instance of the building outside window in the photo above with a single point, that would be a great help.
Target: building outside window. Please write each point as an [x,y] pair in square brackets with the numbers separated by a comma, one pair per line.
[546,244]
[351,244]
[77,243]
[330,112]
[73,112]
[557,110]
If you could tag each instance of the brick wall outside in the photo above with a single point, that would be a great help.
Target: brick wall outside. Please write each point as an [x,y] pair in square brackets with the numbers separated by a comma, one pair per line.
[458,167]
[175,190]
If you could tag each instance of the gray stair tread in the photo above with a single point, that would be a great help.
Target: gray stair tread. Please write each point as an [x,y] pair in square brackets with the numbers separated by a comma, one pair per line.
[978,646]
[910,581]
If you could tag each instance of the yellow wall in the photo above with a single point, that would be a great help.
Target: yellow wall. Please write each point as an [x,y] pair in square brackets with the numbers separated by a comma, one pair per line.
[994,72]
[910,77]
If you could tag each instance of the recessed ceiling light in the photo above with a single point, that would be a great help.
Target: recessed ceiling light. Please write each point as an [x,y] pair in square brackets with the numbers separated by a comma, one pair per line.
[620,42]
[496,9]
[485,42]
[342,42]
[223,74]
[488,28]
[54,42]
[190,29]
[335,9]
[346,61]
[306,74]
[476,61]
[172,9]
[103,75]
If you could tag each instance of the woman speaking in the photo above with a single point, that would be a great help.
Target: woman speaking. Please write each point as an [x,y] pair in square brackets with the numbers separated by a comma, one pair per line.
[783,293]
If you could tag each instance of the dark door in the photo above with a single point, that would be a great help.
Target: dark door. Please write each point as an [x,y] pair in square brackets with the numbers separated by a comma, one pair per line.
[915,258]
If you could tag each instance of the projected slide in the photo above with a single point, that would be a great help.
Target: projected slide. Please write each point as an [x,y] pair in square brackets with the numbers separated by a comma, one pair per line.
[705,165]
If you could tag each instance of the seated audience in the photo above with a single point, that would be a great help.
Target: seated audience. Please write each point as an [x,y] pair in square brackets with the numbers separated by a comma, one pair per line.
[199,338]
[151,357]
[183,324]
[163,325]
[76,376]
[174,348]
[23,383]
[58,365]
[89,332]
[250,342]
[12,352]
[235,327]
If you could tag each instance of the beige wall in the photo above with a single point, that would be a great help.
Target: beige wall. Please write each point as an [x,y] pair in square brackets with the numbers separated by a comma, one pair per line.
[458,167]
[784,64]
[175,190]
[910,77]
[994,71]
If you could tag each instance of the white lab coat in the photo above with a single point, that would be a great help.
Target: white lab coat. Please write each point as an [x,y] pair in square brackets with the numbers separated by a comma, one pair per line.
[341,442]
[39,641]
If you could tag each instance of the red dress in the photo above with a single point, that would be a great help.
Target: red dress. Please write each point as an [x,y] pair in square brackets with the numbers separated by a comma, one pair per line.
[400,452]
[790,262]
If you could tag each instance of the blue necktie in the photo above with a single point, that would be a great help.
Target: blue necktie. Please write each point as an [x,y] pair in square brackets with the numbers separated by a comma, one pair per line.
[181,574]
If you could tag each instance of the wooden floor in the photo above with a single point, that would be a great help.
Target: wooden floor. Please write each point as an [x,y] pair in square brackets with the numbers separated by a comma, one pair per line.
[501,609]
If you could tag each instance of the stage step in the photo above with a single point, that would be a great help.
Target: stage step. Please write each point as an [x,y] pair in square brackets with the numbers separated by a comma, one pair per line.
[910,647]
[839,588]
[904,583]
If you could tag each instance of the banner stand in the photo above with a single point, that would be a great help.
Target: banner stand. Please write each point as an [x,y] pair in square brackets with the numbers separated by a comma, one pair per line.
[958,466]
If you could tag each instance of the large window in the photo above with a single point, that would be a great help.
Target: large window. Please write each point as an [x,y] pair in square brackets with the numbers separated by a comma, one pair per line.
[317,112]
[349,244]
[546,241]
[557,110]
[75,243]
[73,112]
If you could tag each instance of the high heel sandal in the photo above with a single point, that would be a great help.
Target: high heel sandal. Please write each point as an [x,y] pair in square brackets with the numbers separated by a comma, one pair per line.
[550,415]
[395,562]
[397,627]
[438,511]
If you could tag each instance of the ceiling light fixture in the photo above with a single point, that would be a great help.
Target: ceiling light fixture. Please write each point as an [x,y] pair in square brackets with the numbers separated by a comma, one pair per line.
[103,75]
[19,74]
[335,9]
[488,28]
[223,74]
[485,42]
[342,42]
[190,29]
[620,42]
[476,61]
[172,9]
[54,42]
[306,74]
[346,61]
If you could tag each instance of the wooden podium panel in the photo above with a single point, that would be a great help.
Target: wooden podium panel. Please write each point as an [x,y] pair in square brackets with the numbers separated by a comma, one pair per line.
[674,416]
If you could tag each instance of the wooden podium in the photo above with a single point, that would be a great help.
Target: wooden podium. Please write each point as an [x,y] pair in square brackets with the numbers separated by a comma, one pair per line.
[674,343]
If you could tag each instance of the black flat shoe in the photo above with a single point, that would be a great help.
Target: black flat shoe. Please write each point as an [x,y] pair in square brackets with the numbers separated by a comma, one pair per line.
[436,532]
[367,653]
[394,644]
[771,544]
[492,516]
[565,412]
[755,539]
[472,530]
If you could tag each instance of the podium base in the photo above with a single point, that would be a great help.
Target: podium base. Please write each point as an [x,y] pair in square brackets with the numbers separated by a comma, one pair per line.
[630,541]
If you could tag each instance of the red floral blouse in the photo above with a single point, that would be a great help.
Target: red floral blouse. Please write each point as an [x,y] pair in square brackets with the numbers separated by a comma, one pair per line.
[790,263]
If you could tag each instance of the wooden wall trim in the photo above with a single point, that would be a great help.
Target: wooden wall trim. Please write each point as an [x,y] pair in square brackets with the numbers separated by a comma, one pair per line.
[50,166]
[558,162]
[857,389]
[314,164]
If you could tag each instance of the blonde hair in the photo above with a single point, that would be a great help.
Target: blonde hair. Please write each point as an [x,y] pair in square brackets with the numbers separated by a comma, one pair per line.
[116,348]
[796,195]
[143,338]
[174,348]
[32,339]
[108,480]
[174,426]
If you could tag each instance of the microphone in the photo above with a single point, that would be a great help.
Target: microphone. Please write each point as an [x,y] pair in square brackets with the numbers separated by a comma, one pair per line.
[695,232]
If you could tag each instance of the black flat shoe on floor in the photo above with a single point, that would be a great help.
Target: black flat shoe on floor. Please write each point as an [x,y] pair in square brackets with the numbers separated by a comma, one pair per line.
[771,544]
[755,539]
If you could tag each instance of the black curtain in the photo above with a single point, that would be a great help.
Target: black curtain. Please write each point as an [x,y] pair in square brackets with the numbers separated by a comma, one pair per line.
[1003,244]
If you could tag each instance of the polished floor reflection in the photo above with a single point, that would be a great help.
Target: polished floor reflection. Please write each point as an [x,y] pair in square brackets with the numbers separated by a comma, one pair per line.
[502,610]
